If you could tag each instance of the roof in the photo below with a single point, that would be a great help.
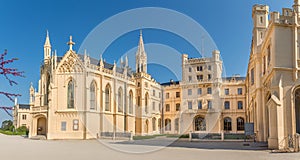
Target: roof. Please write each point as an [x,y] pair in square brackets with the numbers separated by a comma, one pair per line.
[236,78]
[170,83]
[24,106]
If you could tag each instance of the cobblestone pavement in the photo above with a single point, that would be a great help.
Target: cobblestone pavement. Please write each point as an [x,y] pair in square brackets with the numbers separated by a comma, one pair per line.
[16,148]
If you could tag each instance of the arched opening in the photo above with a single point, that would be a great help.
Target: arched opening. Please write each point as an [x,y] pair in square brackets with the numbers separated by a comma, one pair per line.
[147,126]
[107,97]
[146,102]
[120,100]
[240,124]
[41,126]
[93,96]
[154,124]
[297,110]
[159,124]
[70,94]
[227,124]
[130,102]
[167,124]
[200,123]
[177,124]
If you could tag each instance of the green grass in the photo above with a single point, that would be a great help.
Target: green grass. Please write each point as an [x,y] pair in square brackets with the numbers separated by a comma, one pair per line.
[11,133]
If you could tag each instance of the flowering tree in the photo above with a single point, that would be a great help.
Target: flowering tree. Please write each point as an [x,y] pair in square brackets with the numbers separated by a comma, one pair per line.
[7,73]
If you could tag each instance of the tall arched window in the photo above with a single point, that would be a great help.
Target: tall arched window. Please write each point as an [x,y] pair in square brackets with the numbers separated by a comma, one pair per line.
[70,103]
[146,102]
[120,100]
[227,124]
[297,110]
[107,97]
[154,124]
[200,124]
[168,124]
[177,124]
[240,124]
[130,102]
[93,95]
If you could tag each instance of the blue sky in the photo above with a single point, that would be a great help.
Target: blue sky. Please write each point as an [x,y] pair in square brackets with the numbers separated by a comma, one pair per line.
[23,26]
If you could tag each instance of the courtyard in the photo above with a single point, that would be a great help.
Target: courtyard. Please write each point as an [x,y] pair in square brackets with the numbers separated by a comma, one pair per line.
[17,147]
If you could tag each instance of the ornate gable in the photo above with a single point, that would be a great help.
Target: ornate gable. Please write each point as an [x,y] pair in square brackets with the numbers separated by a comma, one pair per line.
[70,63]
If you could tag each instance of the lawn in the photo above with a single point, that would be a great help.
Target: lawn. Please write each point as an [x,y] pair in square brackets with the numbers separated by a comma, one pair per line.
[7,132]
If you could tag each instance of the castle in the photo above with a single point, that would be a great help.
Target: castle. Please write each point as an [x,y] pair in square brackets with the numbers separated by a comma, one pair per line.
[79,97]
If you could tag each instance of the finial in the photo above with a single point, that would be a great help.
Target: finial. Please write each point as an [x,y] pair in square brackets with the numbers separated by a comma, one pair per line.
[141,32]
[47,33]
[71,43]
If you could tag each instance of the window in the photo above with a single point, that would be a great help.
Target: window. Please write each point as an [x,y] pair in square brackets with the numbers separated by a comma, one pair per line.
[93,95]
[75,124]
[70,94]
[139,100]
[153,106]
[167,95]
[209,67]
[240,91]
[199,104]
[252,76]
[199,68]
[167,107]
[138,84]
[269,55]
[190,69]
[177,106]
[63,126]
[200,77]
[209,90]
[154,124]
[130,102]
[240,124]
[209,76]
[190,78]
[264,64]
[177,124]
[199,91]
[200,124]
[226,91]
[189,92]
[158,94]
[168,125]
[209,104]
[146,102]
[261,20]
[107,97]
[153,92]
[120,100]
[24,116]
[227,124]
[146,84]
[227,105]
[190,105]
[240,104]
[177,94]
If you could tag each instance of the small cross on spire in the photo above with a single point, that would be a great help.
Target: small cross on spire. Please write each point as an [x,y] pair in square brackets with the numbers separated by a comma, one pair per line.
[71,43]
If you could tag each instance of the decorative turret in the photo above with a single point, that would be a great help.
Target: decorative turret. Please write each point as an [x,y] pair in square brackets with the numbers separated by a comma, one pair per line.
[31,92]
[296,7]
[141,56]
[260,15]
[47,49]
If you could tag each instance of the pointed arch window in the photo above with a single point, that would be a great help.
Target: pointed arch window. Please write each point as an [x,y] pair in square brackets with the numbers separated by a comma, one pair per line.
[93,96]
[146,102]
[130,102]
[107,97]
[120,100]
[70,94]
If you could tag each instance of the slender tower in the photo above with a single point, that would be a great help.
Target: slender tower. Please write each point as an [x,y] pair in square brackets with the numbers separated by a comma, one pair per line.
[141,56]
[47,49]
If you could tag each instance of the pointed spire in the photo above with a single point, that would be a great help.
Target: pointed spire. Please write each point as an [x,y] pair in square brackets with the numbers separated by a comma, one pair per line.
[141,49]
[126,61]
[47,41]
[71,43]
